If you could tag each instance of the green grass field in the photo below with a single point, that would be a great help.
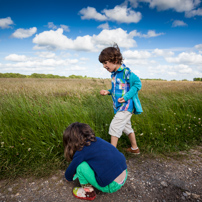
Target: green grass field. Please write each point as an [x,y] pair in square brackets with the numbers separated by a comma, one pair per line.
[35,112]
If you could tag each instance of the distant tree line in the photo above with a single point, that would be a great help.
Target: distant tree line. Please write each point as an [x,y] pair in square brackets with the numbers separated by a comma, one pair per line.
[154,79]
[77,77]
[36,75]
[197,79]
[12,75]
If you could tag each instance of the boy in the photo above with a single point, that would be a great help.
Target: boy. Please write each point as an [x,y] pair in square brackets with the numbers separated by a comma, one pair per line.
[124,92]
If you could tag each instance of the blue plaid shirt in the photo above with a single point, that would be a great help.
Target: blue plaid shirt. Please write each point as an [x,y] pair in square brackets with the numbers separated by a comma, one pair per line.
[120,86]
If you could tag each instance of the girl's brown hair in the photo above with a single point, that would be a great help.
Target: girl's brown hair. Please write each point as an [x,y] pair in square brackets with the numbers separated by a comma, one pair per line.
[111,54]
[75,137]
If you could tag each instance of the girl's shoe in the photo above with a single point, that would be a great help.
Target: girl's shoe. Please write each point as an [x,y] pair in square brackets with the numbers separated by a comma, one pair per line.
[86,193]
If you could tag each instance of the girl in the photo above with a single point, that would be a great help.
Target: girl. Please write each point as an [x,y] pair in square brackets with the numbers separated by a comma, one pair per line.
[94,162]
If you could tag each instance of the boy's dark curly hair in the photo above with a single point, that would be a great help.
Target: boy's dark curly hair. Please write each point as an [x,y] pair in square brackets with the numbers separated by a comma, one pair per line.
[75,137]
[111,54]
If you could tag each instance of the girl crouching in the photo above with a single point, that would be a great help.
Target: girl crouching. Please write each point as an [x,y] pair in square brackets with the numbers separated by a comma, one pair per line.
[95,162]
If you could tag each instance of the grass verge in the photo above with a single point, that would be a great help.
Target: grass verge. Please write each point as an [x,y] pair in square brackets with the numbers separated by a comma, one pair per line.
[34,115]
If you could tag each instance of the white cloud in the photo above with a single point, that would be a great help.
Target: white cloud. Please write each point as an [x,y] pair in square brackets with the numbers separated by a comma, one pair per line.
[145,63]
[22,61]
[119,36]
[170,73]
[27,70]
[143,57]
[134,3]
[132,62]
[65,28]
[199,46]
[183,69]
[137,58]
[78,68]
[46,54]
[84,43]
[136,54]
[163,53]
[51,25]
[104,26]
[150,33]
[186,58]
[177,5]
[192,13]
[155,63]
[136,33]
[57,62]
[44,59]
[91,13]
[56,66]
[6,22]
[174,71]
[120,14]
[84,59]
[179,23]
[123,15]
[158,69]
[24,33]
[53,40]
[16,58]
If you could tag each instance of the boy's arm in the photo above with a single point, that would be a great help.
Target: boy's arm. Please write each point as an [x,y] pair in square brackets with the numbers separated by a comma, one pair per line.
[110,91]
[105,92]
[135,86]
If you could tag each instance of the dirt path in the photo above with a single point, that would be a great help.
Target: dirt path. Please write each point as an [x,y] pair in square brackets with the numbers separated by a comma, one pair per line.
[152,179]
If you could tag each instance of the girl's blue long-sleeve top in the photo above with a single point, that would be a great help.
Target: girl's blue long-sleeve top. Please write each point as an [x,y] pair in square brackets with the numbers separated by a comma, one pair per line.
[104,159]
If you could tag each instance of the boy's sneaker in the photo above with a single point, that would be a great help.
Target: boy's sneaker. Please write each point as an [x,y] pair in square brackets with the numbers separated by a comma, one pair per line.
[135,151]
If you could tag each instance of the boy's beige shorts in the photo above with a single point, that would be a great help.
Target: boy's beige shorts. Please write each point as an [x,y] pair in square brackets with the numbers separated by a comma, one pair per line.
[121,123]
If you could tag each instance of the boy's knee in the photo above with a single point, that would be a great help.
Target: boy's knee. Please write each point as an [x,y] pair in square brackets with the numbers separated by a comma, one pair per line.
[115,131]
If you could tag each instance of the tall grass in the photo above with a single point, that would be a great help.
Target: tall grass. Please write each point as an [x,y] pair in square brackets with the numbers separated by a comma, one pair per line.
[35,112]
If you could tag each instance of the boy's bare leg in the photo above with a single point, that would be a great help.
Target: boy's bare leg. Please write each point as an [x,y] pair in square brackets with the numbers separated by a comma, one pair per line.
[114,140]
[132,139]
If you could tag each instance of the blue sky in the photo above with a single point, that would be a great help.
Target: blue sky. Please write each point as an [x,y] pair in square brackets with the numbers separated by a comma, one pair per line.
[158,38]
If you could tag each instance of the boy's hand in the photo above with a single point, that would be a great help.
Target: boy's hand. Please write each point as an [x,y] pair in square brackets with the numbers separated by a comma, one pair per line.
[104,92]
[121,100]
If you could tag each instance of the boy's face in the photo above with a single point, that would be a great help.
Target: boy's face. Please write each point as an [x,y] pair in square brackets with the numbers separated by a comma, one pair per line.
[110,67]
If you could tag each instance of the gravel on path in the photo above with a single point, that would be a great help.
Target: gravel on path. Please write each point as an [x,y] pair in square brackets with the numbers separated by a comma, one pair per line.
[174,178]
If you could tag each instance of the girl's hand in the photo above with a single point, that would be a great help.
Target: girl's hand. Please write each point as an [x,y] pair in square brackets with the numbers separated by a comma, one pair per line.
[64,178]
[104,92]
[121,100]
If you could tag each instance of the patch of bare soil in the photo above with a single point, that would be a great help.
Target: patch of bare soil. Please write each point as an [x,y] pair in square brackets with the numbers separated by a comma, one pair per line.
[177,177]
